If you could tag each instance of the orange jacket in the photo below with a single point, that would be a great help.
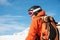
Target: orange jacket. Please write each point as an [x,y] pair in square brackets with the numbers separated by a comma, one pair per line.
[35,26]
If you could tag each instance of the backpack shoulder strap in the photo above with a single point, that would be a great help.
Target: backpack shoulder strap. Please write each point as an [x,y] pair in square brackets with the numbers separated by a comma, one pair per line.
[51,19]
[44,18]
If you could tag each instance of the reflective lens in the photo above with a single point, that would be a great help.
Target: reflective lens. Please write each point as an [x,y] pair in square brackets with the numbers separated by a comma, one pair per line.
[30,12]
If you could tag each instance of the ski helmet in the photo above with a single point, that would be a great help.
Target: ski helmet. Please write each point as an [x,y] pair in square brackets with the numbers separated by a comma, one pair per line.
[35,9]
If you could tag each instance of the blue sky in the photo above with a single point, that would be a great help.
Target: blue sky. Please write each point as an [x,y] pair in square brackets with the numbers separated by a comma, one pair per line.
[14,15]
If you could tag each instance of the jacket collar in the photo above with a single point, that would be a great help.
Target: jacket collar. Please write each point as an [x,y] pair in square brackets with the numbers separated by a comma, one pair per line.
[41,13]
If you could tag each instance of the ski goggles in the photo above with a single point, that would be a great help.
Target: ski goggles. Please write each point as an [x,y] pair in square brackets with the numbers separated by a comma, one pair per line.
[30,12]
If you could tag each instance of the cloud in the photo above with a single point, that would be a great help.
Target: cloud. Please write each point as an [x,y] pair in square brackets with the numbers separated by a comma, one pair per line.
[11,26]
[11,16]
[4,2]
[5,18]
[9,22]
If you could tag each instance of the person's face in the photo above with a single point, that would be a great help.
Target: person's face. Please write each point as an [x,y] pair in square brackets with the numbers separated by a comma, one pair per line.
[31,14]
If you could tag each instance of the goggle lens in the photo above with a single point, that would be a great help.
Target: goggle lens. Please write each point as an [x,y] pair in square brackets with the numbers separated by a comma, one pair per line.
[30,12]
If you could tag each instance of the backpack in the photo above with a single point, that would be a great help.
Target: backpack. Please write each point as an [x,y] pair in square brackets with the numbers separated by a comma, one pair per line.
[50,32]
[52,29]
[54,32]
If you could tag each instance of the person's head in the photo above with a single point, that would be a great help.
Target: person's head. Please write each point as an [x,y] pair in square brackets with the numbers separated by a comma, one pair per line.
[33,11]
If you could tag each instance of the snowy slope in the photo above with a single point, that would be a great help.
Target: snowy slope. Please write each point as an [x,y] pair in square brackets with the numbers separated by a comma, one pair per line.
[18,36]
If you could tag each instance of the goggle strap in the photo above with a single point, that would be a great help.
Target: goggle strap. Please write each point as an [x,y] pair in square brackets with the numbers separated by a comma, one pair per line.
[36,9]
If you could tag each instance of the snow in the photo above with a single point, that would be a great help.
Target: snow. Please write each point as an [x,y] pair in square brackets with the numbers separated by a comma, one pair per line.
[16,36]
[59,23]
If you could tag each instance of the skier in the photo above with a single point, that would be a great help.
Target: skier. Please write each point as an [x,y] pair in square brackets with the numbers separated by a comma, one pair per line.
[35,30]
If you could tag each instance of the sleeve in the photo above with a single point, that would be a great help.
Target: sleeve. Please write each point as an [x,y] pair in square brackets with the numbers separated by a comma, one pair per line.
[32,31]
